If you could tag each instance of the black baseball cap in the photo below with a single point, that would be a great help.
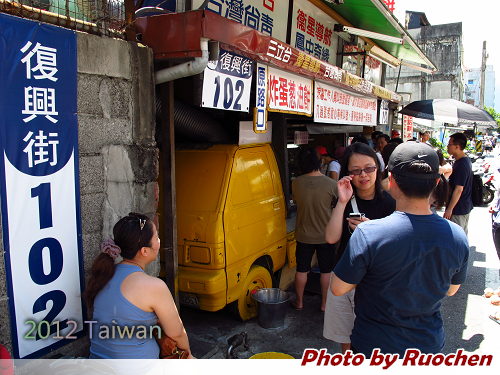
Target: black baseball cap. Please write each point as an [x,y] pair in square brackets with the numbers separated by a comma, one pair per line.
[409,153]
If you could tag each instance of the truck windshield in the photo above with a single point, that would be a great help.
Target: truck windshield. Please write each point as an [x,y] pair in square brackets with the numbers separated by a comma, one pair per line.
[199,176]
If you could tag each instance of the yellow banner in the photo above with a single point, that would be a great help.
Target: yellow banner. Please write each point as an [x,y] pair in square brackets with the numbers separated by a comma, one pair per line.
[382,92]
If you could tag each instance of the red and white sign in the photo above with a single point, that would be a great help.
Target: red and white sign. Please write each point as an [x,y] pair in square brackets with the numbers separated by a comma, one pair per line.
[283,56]
[336,106]
[301,138]
[407,128]
[288,92]
[312,31]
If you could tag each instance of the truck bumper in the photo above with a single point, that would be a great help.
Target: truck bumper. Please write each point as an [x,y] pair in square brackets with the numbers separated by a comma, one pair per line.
[205,289]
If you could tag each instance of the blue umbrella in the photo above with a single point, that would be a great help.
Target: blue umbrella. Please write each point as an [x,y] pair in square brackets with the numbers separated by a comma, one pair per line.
[448,110]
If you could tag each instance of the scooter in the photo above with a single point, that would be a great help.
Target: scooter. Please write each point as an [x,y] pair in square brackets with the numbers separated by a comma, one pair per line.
[488,190]
[478,157]
[486,167]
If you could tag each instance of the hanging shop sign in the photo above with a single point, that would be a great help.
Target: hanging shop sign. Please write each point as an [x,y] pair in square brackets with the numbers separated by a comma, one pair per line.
[383,117]
[301,137]
[335,106]
[227,81]
[249,43]
[288,92]
[40,197]
[260,110]
[267,16]
[407,128]
[312,31]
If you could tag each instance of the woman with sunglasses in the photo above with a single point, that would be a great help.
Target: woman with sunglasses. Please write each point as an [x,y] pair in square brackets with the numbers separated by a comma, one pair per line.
[359,193]
[123,295]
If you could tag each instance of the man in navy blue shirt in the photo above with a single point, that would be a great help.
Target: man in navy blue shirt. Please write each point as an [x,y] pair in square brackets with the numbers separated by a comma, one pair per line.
[460,204]
[403,265]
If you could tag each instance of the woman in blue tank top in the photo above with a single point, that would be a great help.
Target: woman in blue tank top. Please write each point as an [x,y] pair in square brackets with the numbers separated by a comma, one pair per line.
[126,301]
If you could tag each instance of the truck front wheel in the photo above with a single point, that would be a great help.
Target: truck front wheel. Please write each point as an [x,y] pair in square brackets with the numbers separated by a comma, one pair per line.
[258,277]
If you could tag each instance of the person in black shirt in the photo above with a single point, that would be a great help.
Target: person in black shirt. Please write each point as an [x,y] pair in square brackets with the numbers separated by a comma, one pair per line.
[360,183]
[460,204]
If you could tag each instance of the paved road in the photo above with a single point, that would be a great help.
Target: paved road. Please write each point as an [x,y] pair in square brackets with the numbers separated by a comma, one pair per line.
[465,315]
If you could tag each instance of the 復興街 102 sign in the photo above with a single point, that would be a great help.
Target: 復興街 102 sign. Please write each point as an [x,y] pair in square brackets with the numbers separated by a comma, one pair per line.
[40,196]
[335,106]
[227,81]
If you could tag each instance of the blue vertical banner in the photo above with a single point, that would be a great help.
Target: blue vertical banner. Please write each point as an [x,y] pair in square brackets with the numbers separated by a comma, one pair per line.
[260,110]
[39,184]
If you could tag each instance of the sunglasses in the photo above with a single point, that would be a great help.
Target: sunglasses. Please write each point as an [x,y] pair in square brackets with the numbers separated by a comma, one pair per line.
[367,170]
[142,222]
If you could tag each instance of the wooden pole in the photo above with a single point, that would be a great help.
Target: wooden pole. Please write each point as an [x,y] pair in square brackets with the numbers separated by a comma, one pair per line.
[483,77]
[129,20]
[169,244]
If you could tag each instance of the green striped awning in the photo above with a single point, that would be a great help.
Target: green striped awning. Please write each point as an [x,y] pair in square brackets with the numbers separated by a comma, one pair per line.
[373,15]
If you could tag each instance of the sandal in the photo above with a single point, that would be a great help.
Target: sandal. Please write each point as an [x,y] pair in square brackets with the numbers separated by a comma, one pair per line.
[295,307]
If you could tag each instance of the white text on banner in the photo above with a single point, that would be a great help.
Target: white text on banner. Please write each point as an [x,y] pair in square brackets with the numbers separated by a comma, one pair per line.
[260,117]
[227,81]
[265,16]
[289,92]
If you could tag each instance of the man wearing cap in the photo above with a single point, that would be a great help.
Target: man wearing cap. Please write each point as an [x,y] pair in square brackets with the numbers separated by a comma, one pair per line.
[333,169]
[403,265]
[395,134]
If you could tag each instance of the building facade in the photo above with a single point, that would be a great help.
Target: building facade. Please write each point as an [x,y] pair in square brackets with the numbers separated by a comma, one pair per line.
[443,45]
[472,86]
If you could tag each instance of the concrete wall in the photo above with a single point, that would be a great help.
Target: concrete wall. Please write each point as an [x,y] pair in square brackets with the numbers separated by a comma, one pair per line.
[443,45]
[118,154]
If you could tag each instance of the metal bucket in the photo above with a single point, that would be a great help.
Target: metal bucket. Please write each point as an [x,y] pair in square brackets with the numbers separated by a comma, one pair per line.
[272,304]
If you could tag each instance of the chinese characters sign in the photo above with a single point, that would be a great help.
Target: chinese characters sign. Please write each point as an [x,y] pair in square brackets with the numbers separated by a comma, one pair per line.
[391,5]
[227,81]
[267,16]
[40,202]
[301,137]
[407,128]
[260,117]
[288,92]
[283,56]
[312,31]
[383,117]
[336,106]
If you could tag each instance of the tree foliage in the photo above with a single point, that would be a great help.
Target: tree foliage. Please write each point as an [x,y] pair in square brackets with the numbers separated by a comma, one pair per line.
[495,115]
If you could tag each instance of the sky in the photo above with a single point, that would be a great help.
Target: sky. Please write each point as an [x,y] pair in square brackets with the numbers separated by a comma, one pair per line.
[480,23]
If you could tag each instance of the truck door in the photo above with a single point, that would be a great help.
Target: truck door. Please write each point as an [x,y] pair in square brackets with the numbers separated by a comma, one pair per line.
[254,216]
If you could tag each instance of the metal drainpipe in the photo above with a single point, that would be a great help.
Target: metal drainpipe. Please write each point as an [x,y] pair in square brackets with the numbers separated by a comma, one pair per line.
[186,69]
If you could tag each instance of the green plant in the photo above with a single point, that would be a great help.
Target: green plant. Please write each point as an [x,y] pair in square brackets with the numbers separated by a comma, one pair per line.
[436,143]
[495,115]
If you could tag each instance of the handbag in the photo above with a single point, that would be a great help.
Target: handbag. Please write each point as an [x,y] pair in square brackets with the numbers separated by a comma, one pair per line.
[169,348]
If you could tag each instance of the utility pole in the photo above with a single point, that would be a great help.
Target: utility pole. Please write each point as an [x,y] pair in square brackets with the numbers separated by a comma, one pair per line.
[483,77]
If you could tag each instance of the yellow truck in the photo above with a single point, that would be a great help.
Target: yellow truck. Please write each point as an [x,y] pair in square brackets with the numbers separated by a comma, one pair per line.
[231,226]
